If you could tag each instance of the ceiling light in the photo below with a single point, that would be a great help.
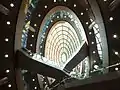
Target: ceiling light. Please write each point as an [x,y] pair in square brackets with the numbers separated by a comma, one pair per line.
[114,36]
[116,53]
[32,35]
[82,13]
[116,69]
[87,23]
[39,15]
[111,18]
[45,6]
[90,33]
[31,45]
[57,16]
[92,42]
[8,22]
[35,87]
[46,26]
[12,5]
[33,80]
[6,55]
[94,52]
[94,61]
[6,39]
[105,0]
[9,85]
[74,5]
[65,0]
[7,71]
[35,25]
[40,46]
[54,0]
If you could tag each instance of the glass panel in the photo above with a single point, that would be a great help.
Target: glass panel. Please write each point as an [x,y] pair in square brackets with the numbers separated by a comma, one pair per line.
[61,35]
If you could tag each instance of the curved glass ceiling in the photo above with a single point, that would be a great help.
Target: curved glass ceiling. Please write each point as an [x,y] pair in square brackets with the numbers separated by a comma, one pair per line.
[62,41]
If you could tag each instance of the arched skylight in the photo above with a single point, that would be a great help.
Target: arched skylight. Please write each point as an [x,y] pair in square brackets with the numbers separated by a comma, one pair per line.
[62,41]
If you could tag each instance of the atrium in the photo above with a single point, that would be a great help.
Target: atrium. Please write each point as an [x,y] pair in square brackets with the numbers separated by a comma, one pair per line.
[60,44]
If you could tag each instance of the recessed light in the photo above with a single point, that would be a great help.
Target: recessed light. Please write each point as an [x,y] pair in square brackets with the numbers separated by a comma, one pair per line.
[81,13]
[9,85]
[6,39]
[90,33]
[11,5]
[8,22]
[116,69]
[31,45]
[105,0]
[35,25]
[35,87]
[39,15]
[57,16]
[6,55]
[65,0]
[45,6]
[92,42]
[116,53]
[75,5]
[111,18]
[114,36]
[54,0]
[32,35]
[87,23]
[7,71]
[33,80]
[94,52]
[46,26]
